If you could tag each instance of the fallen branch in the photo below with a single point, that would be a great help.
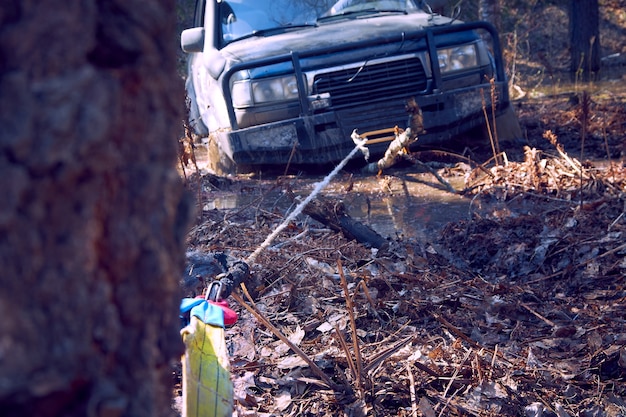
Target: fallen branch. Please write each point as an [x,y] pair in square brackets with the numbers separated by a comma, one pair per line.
[316,369]
[333,215]
[402,141]
[412,390]
[445,183]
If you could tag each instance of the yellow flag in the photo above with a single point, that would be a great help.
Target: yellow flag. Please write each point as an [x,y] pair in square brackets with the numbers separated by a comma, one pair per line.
[207,387]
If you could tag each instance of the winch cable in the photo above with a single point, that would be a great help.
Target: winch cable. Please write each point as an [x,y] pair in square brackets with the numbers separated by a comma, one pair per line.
[359,147]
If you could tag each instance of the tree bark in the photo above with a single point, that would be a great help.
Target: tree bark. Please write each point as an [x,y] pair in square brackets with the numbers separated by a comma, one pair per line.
[585,38]
[93,214]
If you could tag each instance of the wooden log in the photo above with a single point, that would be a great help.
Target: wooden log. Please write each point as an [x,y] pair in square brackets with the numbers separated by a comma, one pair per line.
[333,215]
[403,139]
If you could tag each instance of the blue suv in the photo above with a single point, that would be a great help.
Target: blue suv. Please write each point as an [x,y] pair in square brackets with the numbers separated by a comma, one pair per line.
[276,82]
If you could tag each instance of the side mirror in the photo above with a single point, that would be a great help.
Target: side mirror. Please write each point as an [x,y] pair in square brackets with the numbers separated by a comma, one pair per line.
[192,40]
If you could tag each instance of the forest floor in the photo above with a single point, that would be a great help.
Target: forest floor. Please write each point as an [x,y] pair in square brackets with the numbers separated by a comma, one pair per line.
[518,309]
[514,311]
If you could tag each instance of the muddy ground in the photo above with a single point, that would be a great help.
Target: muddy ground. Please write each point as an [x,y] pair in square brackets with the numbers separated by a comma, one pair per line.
[513,310]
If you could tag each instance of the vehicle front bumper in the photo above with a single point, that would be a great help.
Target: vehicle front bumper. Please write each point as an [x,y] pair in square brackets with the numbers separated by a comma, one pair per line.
[326,138]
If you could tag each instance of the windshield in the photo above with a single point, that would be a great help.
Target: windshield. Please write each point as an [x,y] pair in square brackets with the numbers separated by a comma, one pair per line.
[343,7]
[244,18]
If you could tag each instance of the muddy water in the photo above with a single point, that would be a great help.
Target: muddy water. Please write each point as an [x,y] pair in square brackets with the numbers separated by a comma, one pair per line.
[409,205]
[405,204]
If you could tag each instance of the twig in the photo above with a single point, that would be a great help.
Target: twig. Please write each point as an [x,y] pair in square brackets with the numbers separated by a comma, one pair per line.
[292,239]
[494,99]
[478,370]
[316,369]
[445,183]
[293,152]
[412,390]
[450,400]
[366,291]
[491,139]
[551,137]
[375,361]
[606,145]
[470,161]
[463,336]
[585,119]
[355,337]
[346,350]
[456,373]
[493,361]
[615,221]
[609,252]
[539,316]
[556,274]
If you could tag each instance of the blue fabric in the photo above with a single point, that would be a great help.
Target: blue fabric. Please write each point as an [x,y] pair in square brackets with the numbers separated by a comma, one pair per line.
[188,303]
[208,313]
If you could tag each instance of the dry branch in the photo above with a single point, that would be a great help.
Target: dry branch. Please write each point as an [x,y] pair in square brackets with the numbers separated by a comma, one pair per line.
[355,338]
[316,369]
[333,215]
[402,140]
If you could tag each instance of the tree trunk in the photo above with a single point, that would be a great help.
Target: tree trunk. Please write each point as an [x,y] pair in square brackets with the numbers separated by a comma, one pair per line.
[585,38]
[489,10]
[93,215]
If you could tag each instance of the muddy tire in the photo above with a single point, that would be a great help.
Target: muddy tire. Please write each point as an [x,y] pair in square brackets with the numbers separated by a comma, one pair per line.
[508,127]
[507,130]
[218,162]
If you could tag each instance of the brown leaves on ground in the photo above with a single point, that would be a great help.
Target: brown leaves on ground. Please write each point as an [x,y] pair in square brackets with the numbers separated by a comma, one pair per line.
[518,310]
[510,313]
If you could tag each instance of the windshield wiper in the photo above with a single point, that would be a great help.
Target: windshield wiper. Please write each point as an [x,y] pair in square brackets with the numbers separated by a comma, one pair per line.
[357,13]
[274,31]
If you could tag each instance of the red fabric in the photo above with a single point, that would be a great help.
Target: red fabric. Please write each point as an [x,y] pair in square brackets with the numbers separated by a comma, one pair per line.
[230,316]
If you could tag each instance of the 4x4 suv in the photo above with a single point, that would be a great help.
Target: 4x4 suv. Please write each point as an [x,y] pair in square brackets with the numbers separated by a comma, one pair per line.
[287,81]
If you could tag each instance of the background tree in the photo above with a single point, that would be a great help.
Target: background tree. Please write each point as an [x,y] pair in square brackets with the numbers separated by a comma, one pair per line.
[489,10]
[93,214]
[584,16]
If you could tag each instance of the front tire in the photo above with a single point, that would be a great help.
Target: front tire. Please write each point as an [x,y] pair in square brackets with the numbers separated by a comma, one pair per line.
[218,162]
[508,127]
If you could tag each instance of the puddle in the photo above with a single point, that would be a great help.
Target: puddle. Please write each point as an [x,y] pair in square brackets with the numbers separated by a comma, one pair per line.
[406,207]
[410,206]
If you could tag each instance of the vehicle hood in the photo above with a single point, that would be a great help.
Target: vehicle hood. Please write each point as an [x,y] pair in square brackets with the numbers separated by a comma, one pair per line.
[329,35]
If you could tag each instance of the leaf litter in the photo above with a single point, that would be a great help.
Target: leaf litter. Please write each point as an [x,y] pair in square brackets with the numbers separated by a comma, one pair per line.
[516,310]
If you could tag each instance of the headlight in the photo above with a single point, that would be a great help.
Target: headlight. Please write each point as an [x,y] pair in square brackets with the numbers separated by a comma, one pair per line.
[275,89]
[457,58]
[242,94]
[250,92]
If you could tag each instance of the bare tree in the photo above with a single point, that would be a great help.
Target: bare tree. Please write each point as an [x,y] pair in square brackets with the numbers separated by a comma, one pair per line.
[585,37]
[93,215]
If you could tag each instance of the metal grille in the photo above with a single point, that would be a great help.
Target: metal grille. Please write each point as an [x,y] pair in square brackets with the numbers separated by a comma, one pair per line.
[384,115]
[356,86]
